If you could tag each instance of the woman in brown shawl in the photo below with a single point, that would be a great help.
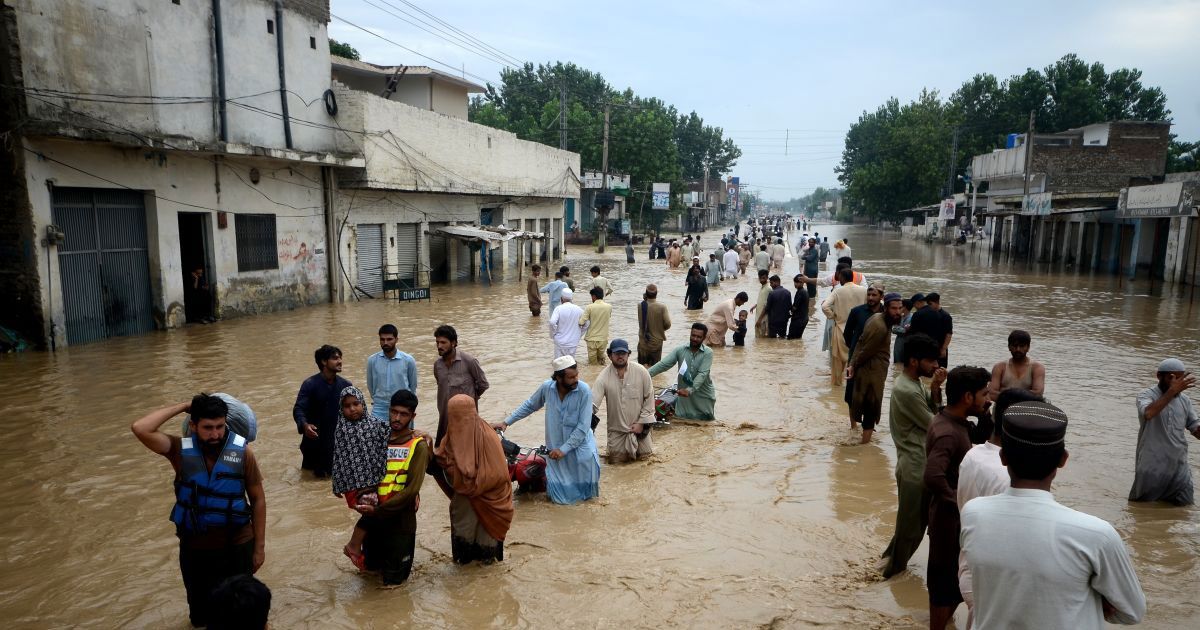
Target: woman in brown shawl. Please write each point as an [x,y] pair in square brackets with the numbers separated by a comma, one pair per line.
[480,493]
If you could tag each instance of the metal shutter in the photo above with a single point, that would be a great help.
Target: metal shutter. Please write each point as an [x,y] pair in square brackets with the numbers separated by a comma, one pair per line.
[104,263]
[370,258]
[464,258]
[408,250]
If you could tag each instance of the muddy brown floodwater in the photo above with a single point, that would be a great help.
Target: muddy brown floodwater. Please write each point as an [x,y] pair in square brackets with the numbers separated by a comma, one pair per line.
[770,517]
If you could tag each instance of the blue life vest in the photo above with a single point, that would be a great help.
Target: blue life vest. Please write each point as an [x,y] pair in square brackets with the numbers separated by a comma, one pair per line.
[216,499]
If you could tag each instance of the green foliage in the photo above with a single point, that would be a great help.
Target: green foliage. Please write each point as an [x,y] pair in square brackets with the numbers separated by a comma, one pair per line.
[648,139]
[342,50]
[813,202]
[1183,156]
[899,157]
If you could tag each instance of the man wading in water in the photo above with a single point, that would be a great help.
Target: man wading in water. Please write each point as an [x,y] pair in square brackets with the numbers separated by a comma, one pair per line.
[220,511]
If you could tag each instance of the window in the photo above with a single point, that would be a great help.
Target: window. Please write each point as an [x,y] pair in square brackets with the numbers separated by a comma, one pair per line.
[312,43]
[256,248]
[271,26]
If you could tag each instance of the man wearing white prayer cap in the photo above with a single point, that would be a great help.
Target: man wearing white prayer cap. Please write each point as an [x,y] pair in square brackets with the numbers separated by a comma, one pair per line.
[1165,415]
[564,326]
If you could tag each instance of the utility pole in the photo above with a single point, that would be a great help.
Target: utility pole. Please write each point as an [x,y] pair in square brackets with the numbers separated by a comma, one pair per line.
[603,213]
[562,117]
[1028,179]
[706,187]
[953,163]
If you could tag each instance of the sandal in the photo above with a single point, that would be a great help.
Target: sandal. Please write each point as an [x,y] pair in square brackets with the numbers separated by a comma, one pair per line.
[357,558]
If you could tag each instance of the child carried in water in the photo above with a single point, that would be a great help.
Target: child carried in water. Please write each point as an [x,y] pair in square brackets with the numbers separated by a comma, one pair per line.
[739,335]
[359,460]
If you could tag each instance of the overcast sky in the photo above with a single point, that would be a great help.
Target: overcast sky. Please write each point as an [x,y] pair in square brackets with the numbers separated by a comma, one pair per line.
[757,69]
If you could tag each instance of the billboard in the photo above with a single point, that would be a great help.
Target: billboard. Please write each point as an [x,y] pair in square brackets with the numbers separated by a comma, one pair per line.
[1160,200]
[733,188]
[946,210]
[661,196]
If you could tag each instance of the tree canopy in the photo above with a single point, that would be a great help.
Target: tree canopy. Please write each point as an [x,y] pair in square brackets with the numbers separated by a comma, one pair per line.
[342,49]
[649,139]
[899,156]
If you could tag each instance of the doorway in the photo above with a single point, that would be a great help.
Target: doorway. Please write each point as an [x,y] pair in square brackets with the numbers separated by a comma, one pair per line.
[195,234]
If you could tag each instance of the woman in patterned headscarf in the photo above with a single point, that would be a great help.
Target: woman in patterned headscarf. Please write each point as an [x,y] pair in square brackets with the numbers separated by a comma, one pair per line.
[359,459]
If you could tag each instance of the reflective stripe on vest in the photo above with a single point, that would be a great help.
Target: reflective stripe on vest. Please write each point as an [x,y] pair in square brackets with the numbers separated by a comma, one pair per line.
[858,277]
[399,456]
[214,498]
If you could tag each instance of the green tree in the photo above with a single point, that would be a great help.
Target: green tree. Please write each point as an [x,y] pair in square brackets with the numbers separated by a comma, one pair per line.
[1183,156]
[342,50]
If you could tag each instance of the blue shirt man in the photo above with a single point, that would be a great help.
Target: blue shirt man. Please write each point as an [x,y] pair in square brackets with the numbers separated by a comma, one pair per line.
[389,371]
[573,467]
[555,289]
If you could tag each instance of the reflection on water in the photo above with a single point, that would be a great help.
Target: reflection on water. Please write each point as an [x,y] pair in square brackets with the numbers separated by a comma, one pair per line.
[769,516]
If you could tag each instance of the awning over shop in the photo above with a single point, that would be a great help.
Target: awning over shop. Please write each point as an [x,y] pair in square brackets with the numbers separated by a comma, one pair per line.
[493,236]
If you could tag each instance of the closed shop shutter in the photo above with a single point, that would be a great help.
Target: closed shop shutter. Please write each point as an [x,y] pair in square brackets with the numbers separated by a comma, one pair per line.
[104,263]
[463,252]
[370,258]
[438,254]
[408,249]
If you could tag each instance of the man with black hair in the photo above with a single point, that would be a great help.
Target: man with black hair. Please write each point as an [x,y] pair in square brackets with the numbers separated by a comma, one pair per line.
[389,371]
[600,281]
[1019,372]
[982,474]
[456,372]
[946,444]
[595,320]
[1035,563]
[697,396]
[220,511]
[934,321]
[799,310]
[391,525]
[910,411]
[762,326]
[241,602]
[837,307]
[653,322]
[778,309]
[316,411]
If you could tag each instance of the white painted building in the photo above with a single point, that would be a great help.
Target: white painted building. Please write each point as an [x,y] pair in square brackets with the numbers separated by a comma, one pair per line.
[154,137]
[429,169]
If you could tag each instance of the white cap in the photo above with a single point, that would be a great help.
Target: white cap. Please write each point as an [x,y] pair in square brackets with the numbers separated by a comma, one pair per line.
[568,295]
[1171,365]
[562,363]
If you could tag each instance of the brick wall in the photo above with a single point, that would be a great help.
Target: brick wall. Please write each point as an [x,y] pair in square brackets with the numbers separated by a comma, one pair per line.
[1136,153]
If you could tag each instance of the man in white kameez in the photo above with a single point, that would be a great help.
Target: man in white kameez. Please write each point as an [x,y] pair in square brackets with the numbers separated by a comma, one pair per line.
[630,394]
[1165,413]
[1036,563]
[731,263]
[564,326]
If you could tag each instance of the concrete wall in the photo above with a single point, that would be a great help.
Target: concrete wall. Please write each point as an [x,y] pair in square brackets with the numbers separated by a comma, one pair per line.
[392,207]
[411,149]
[156,48]
[172,177]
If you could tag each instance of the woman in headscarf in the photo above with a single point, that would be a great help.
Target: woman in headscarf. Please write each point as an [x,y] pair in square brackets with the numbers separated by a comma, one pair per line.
[480,493]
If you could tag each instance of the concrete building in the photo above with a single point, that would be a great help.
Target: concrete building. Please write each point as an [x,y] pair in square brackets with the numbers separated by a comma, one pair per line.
[704,213]
[153,138]
[419,86]
[418,208]
[1076,180]
[592,183]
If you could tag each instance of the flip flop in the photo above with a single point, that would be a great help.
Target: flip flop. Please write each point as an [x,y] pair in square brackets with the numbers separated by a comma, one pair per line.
[357,558]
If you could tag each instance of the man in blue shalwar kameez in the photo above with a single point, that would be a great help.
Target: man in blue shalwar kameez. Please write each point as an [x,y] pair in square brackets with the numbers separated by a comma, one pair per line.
[573,470]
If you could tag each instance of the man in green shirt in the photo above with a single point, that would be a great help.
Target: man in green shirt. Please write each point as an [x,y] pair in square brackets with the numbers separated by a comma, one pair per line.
[697,396]
[910,411]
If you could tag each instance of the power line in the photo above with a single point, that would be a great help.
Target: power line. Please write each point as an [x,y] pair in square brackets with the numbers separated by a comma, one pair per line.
[518,61]
[394,43]
[457,41]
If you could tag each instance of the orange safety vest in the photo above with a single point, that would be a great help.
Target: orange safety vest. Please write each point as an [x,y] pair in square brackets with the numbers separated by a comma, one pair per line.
[399,456]
[858,279]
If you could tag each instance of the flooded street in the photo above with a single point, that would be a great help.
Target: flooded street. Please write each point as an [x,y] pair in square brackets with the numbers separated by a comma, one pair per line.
[770,517]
